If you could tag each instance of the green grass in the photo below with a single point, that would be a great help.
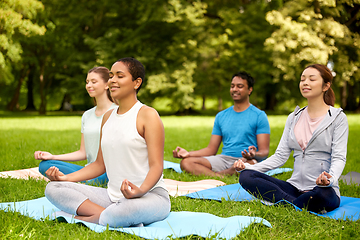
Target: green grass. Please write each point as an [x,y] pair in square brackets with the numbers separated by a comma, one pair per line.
[22,135]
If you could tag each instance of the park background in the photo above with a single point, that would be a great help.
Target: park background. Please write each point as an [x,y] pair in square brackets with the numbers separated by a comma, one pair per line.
[190,50]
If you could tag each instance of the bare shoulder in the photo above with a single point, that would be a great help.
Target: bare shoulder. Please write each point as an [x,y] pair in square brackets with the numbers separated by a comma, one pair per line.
[149,117]
[147,112]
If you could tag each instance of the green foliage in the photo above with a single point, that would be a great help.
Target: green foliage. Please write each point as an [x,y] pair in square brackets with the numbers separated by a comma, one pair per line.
[190,49]
[17,21]
[16,18]
[315,32]
[296,41]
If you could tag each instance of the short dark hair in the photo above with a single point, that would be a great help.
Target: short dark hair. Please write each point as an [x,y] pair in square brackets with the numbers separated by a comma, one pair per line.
[136,69]
[246,76]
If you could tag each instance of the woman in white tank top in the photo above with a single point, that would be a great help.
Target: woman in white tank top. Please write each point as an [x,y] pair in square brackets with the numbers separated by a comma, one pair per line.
[131,152]
[97,88]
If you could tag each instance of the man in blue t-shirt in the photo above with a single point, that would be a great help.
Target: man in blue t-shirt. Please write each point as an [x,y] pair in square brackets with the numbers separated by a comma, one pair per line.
[243,129]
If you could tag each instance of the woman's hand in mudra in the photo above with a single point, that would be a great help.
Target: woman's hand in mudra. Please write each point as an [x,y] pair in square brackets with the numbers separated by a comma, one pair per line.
[54,174]
[323,179]
[130,190]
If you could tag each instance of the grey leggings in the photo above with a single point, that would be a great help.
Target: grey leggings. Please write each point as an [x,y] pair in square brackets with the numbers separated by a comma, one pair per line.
[153,206]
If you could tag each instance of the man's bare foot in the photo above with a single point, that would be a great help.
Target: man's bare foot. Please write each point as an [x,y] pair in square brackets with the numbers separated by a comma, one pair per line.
[220,175]
[249,161]
[229,171]
[252,161]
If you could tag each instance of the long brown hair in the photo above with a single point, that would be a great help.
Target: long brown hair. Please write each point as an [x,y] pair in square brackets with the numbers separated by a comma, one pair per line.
[104,74]
[326,74]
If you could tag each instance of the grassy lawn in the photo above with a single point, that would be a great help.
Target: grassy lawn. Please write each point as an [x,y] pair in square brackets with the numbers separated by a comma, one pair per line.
[20,136]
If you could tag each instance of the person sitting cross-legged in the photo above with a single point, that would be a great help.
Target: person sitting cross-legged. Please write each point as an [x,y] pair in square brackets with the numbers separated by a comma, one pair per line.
[243,129]
[318,136]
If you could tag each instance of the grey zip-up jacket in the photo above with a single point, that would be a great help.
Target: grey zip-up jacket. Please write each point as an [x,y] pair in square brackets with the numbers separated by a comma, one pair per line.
[326,151]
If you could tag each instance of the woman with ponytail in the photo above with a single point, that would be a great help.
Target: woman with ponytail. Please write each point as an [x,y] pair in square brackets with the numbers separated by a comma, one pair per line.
[318,135]
[97,88]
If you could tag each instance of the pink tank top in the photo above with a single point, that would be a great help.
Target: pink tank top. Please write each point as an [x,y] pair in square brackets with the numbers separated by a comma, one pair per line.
[305,127]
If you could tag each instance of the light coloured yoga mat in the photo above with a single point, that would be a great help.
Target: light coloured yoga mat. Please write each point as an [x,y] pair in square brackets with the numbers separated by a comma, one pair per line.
[175,188]
[179,188]
[351,178]
[177,224]
[24,174]
[34,172]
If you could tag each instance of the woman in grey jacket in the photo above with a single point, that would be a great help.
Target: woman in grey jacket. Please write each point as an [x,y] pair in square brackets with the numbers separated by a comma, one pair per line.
[318,135]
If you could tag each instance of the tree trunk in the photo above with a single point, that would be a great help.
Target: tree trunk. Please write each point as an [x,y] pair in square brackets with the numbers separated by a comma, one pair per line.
[203,107]
[357,110]
[42,108]
[66,103]
[14,103]
[351,101]
[343,95]
[220,104]
[270,99]
[30,95]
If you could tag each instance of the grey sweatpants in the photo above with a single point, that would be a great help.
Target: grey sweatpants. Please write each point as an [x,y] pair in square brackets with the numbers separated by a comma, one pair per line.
[153,206]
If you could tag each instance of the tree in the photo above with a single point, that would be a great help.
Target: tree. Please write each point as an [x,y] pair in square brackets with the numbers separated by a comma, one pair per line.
[161,38]
[190,49]
[214,40]
[236,42]
[59,58]
[314,32]
[17,22]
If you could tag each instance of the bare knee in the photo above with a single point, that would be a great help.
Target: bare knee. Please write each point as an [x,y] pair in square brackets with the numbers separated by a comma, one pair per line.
[191,163]
[184,164]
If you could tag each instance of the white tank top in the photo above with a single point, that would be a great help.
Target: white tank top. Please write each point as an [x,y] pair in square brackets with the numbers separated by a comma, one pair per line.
[124,151]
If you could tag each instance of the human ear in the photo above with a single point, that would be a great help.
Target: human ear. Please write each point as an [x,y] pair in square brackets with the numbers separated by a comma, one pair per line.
[137,82]
[326,86]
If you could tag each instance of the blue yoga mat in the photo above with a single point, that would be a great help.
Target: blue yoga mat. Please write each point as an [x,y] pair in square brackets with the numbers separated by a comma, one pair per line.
[177,224]
[232,192]
[176,168]
[349,207]
[172,165]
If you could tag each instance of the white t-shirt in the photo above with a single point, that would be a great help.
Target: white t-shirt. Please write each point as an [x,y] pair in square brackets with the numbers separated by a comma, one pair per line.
[90,127]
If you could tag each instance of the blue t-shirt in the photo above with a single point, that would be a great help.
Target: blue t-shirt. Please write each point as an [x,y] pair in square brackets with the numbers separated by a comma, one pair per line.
[239,129]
